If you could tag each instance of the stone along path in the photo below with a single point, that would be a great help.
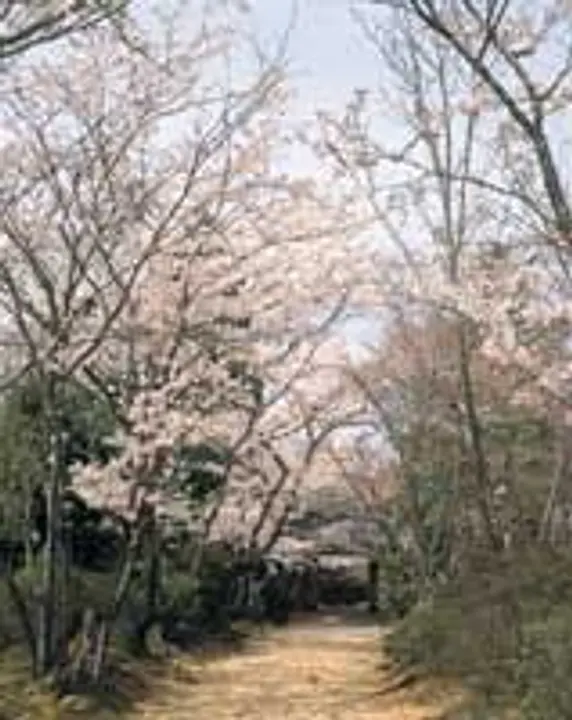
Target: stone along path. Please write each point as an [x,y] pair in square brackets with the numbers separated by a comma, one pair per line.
[325,669]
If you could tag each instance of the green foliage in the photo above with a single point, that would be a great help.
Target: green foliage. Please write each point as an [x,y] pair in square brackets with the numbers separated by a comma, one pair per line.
[212,589]
[415,551]
[398,586]
[10,631]
[82,420]
[545,667]
[180,593]
[84,423]
[199,470]
[505,631]
[200,597]
[254,385]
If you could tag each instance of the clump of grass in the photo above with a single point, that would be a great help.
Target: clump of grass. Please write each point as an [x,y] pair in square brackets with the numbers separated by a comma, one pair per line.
[20,698]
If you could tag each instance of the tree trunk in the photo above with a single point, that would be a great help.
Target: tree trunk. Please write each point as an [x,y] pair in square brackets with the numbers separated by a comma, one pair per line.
[373,584]
[25,619]
[48,625]
[482,479]
[153,588]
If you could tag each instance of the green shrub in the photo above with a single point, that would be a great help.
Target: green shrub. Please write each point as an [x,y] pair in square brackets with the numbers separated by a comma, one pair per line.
[398,589]
[545,667]
[505,632]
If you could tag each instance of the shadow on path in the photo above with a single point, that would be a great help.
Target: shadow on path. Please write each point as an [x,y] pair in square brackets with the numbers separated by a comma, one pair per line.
[328,667]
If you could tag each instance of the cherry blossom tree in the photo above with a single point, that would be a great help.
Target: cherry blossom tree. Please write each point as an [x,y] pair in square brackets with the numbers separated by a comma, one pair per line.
[240,299]
[307,406]
[471,194]
[521,101]
[130,215]
[504,46]
[154,251]
[31,25]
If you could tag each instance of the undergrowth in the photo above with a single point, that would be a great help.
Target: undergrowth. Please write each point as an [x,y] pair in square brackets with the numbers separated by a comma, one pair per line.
[503,628]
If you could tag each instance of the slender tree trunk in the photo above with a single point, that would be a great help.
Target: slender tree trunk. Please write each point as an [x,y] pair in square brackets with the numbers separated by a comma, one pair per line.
[153,587]
[107,623]
[483,486]
[153,578]
[560,473]
[25,619]
[49,611]
[373,585]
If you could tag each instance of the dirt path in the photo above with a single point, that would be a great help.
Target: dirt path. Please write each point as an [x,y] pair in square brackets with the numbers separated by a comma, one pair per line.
[323,670]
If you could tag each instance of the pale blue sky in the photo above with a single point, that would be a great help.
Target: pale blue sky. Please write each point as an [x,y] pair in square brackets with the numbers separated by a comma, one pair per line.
[328,58]
[328,55]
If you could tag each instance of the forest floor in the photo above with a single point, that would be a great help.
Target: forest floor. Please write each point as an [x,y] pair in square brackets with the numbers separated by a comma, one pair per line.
[329,668]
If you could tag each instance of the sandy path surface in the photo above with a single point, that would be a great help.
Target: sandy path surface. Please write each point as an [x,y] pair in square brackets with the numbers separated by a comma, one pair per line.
[326,669]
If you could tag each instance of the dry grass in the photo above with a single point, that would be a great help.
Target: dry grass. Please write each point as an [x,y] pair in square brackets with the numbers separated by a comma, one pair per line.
[328,669]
